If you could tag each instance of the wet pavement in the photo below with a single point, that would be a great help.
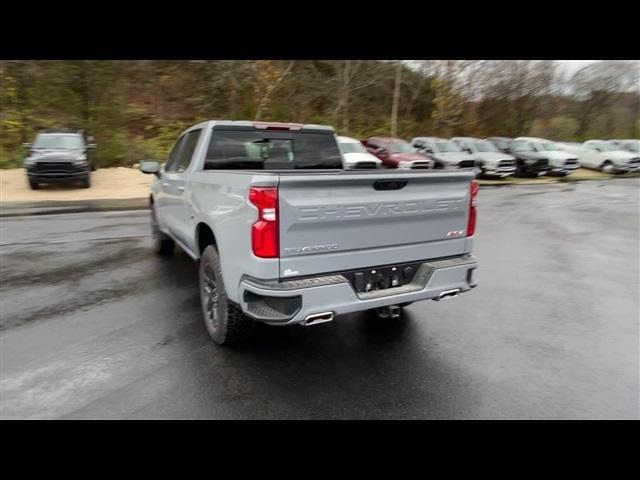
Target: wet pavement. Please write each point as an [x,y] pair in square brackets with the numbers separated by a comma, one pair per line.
[94,325]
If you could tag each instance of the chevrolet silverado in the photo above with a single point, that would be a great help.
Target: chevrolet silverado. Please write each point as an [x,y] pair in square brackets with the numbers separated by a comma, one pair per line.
[284,235]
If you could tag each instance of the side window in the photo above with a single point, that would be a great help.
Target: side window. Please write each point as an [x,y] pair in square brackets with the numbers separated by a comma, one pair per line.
[173,156]
[186,150]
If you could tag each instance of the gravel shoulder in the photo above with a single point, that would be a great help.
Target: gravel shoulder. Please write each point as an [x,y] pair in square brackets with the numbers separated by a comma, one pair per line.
[106,184]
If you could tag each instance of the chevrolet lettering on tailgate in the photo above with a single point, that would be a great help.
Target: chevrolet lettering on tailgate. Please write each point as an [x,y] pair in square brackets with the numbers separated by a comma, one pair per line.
[380,209]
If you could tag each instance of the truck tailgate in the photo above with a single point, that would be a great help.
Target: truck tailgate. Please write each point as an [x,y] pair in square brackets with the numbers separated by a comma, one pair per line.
[331,222]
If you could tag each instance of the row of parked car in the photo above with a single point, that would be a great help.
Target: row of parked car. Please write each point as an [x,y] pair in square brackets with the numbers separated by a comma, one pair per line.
[492,157]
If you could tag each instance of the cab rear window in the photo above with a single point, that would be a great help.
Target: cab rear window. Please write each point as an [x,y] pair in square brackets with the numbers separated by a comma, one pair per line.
[272,150]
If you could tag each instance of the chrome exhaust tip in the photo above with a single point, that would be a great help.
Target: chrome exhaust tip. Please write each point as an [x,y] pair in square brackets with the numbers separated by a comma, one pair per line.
[317,318]
[447,294]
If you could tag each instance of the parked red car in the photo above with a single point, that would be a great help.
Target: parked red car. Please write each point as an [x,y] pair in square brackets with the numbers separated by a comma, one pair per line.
[396,153]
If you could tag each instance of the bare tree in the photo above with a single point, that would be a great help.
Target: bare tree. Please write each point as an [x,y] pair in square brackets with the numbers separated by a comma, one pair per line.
[449,99]
[396,100]
[351,75]
[267,77]
[595,85]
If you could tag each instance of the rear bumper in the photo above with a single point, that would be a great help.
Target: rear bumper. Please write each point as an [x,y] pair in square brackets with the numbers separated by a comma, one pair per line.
[291,302]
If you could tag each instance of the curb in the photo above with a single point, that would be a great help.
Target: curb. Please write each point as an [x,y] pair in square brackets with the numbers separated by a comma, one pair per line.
[19,209]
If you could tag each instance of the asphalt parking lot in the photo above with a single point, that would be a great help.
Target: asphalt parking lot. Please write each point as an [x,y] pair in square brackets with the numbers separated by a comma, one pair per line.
[94,325]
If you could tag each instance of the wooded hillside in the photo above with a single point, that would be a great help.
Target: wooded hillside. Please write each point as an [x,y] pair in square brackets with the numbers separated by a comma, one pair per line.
[136,109]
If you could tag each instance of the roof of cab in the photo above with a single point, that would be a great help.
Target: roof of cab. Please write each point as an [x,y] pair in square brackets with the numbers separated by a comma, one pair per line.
[266,125]
[531,139]
[467,139]
[61,131]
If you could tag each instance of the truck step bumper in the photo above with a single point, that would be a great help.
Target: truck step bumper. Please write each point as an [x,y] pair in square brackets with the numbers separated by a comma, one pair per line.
[292,302]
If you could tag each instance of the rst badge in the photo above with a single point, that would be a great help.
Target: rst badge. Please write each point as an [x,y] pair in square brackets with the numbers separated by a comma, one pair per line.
[455,233]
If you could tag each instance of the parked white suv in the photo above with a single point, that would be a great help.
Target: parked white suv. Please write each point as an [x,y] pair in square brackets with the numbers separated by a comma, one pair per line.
[605,156]
[355,154]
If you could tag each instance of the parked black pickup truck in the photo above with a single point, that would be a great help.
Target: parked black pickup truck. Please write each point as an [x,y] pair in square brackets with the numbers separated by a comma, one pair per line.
[59,156]
[530,162]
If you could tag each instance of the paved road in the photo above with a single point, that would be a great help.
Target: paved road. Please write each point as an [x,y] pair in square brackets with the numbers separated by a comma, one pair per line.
[95,326]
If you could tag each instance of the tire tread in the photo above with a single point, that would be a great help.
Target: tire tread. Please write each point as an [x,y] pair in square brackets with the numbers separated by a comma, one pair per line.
[234,326]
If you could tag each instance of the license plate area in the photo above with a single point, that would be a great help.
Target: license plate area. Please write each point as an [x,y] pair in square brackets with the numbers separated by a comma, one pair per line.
[382,278]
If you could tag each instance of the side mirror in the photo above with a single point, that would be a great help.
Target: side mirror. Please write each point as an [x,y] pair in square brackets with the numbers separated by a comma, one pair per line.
[507,150]
[91,146]
[27,145]
[467,149]
[150,167]
[382,151]
[597,149]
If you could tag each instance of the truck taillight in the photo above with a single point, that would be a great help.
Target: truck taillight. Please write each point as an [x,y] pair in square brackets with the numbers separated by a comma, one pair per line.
[471,227]
[264,233]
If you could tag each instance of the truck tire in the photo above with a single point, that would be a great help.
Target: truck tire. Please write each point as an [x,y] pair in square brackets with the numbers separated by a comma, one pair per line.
[607,167]
[163,244]
[224,320]
[33,184]
[523,171]
[86,181]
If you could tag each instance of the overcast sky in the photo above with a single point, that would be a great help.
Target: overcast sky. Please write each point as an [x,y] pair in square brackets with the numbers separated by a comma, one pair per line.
[572,66]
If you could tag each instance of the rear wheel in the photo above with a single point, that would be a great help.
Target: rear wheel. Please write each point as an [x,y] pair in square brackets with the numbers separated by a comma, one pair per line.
[163,244]
[224,319]
[33,184]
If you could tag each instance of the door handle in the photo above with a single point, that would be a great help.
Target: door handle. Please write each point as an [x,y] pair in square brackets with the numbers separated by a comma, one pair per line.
[389,184]
[181,188]
[165,184]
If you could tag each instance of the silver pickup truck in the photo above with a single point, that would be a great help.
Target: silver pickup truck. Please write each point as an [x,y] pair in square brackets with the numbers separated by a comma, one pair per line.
[285,236]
